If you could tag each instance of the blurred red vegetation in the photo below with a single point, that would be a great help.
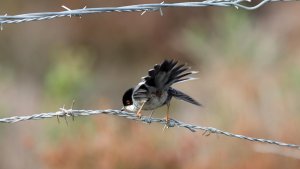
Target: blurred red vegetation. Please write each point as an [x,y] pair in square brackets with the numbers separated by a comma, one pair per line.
[127,146]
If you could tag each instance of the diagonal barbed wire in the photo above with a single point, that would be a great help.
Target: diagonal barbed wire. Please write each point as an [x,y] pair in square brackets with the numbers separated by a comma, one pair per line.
[132,116]
[244,4]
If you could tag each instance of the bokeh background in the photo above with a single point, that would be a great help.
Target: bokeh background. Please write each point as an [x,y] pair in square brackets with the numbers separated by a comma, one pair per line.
[249,83]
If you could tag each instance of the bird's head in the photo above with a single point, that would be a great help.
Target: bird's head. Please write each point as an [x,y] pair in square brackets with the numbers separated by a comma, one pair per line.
[127,100]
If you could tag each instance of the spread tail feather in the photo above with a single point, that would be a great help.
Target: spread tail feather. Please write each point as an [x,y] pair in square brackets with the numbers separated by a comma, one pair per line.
[168,73]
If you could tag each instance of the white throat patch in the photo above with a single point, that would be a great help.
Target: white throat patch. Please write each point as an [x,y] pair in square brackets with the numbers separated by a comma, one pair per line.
[131,108]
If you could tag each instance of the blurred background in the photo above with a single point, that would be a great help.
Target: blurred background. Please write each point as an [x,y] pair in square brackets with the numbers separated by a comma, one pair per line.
[249,83]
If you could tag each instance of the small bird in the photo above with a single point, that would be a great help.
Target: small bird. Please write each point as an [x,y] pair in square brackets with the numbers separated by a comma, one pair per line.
[155,89]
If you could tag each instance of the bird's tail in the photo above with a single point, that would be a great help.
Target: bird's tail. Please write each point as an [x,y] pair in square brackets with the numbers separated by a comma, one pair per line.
[182,96]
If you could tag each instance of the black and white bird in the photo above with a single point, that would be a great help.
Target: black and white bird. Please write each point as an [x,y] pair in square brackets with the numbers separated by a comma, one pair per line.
[155,89]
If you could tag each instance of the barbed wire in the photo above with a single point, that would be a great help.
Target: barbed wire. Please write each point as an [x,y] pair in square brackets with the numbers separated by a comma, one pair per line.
[132,116]
[244,4]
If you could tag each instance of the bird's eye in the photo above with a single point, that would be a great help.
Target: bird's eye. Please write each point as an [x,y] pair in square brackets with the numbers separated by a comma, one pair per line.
[128,102]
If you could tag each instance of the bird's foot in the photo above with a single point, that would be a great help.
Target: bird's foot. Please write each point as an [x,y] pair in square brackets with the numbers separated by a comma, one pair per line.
[167,120]
[167,125]
[139,114]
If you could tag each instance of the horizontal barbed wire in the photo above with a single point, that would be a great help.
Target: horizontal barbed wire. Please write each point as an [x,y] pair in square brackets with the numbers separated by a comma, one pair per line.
[8,19]
[132,116]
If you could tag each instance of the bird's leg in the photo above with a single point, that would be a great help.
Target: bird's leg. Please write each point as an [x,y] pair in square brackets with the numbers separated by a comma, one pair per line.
[167,118]
[168,113]
[138,113]
[151,114]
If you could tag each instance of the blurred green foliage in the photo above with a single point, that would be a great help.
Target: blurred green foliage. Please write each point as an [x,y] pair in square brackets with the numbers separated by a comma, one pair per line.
[68,74]
[292,78]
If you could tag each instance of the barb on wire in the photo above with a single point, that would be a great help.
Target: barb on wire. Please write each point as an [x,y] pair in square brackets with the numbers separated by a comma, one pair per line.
[132,116]
[244,4]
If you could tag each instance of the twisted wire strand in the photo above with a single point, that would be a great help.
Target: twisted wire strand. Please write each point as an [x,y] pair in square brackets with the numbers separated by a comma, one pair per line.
[132,116]
[9,19]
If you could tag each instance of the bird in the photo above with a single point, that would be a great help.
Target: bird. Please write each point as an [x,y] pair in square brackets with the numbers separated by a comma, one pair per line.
[155,89]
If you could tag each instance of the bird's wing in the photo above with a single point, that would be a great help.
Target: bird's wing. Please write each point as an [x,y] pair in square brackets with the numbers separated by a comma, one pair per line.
[141,92]
[163,75]
[182,96]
